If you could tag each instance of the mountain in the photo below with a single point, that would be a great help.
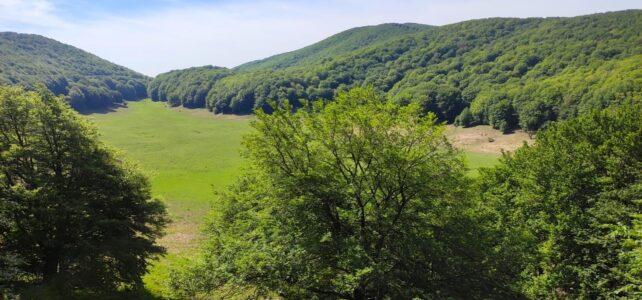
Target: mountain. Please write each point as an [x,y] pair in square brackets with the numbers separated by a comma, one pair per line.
[190,87]
[338,44]
[506,72]
[87,80]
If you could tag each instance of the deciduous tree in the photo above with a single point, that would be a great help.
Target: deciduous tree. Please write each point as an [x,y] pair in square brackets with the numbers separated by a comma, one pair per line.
[359,198]
[75,214]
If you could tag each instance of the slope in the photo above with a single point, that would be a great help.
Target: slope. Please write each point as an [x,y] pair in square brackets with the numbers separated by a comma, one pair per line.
[338,44]
[505,72]
[87,80]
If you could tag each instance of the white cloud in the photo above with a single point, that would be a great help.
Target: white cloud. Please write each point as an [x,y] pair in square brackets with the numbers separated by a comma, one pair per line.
[230,33]
[37,13]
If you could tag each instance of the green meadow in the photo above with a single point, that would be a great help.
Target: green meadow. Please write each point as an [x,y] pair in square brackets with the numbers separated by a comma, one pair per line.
[476,160]
[187,155]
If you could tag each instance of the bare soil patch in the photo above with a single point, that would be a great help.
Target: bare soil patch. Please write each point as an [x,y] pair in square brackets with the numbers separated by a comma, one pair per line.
[485,139]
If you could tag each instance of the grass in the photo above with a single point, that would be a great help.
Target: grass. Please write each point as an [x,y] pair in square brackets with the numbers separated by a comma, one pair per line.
[187,154]
[477,160]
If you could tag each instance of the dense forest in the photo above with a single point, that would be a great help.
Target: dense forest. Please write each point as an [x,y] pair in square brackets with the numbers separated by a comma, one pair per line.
[86,80]
[505,72]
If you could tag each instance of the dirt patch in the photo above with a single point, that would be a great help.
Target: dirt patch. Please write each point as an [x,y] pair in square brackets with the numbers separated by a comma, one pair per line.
[485,139]
[181,236]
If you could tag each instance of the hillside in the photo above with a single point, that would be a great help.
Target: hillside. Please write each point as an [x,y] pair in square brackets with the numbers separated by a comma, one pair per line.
[87,80]
[187,87]
[336,45]
[504,72]
[190,87]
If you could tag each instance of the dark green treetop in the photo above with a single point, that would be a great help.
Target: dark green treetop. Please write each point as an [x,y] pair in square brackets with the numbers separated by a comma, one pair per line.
[570,205]
[75,215]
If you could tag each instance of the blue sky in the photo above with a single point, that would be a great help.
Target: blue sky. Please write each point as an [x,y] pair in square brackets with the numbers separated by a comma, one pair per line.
[153,36]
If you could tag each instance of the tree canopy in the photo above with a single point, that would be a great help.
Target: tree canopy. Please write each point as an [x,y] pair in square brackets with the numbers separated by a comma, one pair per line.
[87,81]
[72,215]
[187,87]
[570,206]
[508,72]
[356,199]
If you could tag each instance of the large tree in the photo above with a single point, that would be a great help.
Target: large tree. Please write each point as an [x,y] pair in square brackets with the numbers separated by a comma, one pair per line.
[570,206]
[359,198]
[75,214]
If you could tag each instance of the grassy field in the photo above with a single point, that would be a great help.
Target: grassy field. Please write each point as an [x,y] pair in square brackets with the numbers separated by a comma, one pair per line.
[477,160]
[188,154]
[482,145]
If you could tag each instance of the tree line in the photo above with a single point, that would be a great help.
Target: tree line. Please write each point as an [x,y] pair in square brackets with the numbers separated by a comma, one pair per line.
[508,73]
[361,198]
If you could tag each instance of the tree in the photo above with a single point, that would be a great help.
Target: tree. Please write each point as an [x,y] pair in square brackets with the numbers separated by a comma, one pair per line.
[465,118]
[357,199]
[533,115]
[10,263]
[587,62]
[77,215]
[501,116]
[570,206]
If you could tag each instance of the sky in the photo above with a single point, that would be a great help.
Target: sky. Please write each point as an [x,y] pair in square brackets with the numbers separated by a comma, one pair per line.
[152,37]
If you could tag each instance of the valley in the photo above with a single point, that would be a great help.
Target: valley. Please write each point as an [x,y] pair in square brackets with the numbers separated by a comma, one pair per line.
[190,154]
[491,158]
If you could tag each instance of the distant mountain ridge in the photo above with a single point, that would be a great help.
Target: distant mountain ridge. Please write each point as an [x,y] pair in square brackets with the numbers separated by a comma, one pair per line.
[506,72]
[87,80]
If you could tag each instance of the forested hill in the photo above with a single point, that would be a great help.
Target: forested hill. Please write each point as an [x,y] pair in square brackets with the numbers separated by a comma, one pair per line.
[87,80]
[190,87]
[187,87]
[503,72]
[336,45]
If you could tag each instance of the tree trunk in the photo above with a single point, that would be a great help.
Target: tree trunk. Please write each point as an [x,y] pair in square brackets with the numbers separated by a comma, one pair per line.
[358,294]
[50,268]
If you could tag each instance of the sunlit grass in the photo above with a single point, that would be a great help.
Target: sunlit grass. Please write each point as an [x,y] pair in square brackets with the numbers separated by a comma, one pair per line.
[187,156]
[476,161]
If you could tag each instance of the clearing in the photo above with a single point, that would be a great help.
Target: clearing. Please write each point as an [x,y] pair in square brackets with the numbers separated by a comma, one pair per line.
[188,154]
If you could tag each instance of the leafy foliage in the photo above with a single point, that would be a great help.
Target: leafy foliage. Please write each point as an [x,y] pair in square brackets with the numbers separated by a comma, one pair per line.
[187,87]
[357,199]
[86,80]
[336,45]
[570,207]
[509,72]
[71,214]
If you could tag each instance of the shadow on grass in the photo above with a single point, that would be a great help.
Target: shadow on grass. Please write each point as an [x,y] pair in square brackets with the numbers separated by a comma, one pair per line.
[100,110]
[112,107]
